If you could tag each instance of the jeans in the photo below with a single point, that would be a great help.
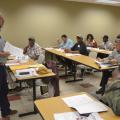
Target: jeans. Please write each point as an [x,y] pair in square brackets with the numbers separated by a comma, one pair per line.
[4,103]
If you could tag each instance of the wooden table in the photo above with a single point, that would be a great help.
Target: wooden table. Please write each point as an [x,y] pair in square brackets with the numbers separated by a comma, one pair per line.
[82,59]
[48,107]
[97,50]
[33,79]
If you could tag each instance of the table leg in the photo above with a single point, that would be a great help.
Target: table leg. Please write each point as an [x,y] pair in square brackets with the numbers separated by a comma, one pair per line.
[34,98]
[74,75]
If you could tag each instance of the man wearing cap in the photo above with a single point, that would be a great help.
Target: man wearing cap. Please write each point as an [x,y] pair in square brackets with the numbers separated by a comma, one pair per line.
[78,48]
[33,50]
[4,103]
[113,58]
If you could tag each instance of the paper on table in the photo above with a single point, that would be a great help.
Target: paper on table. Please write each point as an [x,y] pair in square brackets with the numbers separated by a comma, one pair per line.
[76,116]
[105,64]
[70,54]
[49,48]
[67,116]
[77,100]
[91,107]
[13,50]
[59,49]
[89,48]
[84,104]
[12,64]
[30,72]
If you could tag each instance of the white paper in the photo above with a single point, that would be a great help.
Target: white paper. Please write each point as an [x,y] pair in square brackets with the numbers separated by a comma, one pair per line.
[84,104]
[17,61]
[31,71]
[70,54]
[49,48]
[77,100]
[59,49]
[13,50]
[67,116]
[89,48]
[76,116]
[91,107]
[105,64]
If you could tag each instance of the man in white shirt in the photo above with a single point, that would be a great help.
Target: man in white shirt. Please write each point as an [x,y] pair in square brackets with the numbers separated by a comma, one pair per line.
[107,45]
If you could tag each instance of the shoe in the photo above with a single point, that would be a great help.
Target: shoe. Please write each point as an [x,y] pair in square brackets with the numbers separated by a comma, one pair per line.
[5,118]
[12,112]
[101,91]
[15,90]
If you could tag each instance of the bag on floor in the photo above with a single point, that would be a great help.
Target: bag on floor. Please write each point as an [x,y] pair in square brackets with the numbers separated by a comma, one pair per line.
[53,83]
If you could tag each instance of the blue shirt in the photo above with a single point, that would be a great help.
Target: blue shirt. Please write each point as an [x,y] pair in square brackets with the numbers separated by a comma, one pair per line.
[68,45]
[2,45]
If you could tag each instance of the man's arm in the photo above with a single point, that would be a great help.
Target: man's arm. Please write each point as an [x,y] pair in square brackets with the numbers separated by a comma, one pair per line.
[4,54]
[25,50]
[70,51]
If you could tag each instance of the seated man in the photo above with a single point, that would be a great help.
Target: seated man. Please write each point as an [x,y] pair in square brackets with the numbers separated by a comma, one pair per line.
[113,58]
[33,50]
[78,48]
[107,45]
[67,43]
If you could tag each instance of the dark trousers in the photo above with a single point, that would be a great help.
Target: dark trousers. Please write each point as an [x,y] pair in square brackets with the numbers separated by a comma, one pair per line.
[67,62]
[105,77]
[4,103]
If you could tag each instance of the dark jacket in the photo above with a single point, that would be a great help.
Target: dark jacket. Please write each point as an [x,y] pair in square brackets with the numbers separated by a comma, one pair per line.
[81,48]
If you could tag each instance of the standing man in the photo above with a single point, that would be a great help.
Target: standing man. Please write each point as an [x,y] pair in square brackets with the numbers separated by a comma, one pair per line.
[33,50]
[4,103]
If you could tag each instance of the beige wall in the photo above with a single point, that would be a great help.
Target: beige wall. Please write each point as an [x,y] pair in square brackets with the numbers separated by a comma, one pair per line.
[46,21]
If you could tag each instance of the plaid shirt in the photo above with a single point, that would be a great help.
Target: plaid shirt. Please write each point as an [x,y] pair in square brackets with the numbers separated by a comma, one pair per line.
[34,51]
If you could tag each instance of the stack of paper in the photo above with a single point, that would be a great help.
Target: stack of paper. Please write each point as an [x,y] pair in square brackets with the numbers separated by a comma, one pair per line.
[13,50]
[76,116]
[30,72]
[84,104]
[105,64]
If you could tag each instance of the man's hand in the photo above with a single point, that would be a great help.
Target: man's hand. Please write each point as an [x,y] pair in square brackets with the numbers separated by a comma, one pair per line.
[67,50]
[113,61]
[100,60]
[6,54]
[25,49]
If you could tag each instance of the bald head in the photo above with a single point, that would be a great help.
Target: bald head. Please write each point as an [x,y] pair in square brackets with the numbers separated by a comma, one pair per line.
[1,21]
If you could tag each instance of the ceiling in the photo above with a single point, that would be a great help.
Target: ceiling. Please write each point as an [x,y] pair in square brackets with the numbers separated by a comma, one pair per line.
[105,2]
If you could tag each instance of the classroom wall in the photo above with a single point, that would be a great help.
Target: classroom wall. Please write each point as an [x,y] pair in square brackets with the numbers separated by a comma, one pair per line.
[46,20]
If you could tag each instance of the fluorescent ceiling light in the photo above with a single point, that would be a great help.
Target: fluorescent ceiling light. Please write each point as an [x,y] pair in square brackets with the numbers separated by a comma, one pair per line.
[108,1]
